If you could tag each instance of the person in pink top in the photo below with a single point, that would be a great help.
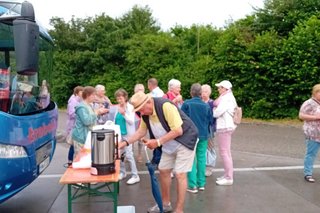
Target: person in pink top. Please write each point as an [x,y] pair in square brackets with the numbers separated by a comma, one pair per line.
[173,94]
[73,101]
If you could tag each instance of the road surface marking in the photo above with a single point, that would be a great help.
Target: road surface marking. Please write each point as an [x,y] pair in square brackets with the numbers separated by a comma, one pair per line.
[253,169]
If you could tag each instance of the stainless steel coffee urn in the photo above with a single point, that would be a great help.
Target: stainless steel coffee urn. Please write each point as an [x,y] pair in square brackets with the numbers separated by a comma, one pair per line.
[103,152]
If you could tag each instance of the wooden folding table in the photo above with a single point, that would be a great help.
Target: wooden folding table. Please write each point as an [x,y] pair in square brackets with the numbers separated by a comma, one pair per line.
[108,185]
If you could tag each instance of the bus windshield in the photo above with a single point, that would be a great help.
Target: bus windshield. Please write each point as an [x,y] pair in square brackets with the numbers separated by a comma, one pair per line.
[22,94]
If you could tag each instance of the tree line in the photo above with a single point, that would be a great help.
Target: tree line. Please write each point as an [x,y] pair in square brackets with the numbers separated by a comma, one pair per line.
[271,56]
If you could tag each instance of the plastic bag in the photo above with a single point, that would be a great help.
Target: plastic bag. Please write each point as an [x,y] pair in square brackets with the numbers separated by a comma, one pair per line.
[211,157]
[110,125]
[83,159]
[69,139]
[87,144]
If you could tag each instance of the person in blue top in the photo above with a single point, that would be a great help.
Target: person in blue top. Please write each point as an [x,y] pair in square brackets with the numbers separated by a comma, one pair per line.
[86,118]
[201,115]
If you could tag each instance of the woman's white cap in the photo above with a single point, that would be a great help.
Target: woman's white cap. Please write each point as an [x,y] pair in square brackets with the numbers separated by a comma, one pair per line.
[225,84]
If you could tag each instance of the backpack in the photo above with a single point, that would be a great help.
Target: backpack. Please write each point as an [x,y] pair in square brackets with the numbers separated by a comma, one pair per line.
[237,116]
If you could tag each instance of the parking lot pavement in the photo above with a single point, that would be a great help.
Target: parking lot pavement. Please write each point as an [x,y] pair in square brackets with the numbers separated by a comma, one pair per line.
[268,177]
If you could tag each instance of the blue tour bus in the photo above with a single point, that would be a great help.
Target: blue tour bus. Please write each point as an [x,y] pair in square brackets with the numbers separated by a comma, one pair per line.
[28,117]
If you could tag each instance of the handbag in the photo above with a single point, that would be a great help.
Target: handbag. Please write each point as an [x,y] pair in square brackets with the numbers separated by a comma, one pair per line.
[237,115]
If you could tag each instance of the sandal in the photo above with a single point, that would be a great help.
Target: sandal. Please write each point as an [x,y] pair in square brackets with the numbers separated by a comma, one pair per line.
[309,179]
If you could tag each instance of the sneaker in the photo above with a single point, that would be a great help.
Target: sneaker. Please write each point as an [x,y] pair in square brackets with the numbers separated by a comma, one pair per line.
[201,188]
[224,182]
[133,180]
[69,164]
[192,190]
[155,208]
[220,178]
[122,176]
[309,179]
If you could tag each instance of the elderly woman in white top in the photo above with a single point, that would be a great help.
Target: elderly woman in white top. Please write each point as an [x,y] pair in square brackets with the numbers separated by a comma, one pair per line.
[102,100]
[125,119]
[205,96]
[223,112]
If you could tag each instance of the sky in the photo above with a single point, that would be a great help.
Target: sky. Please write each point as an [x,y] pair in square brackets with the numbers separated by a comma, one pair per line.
[168,13]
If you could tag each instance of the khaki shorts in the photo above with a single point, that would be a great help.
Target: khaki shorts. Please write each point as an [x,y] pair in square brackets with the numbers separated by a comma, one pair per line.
[180,161]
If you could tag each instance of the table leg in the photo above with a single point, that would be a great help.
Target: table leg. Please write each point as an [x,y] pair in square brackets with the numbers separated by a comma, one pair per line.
[116,192]
[69,199]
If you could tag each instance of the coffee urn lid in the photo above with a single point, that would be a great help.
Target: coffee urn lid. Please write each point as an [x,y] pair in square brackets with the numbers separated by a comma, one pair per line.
[103,131]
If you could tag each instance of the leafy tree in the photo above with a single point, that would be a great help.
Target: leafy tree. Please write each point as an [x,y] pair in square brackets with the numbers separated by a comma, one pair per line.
[261,92]
[68,36]
[271,57]
[139,21]
[283,15]
[300,63]
[92,50]
[231,61]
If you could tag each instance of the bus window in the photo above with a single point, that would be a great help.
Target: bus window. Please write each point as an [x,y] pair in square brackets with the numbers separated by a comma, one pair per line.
[4,89]
[44,94]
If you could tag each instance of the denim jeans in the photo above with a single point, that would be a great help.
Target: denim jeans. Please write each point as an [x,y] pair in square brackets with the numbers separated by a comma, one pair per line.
[312,148]
[71,153]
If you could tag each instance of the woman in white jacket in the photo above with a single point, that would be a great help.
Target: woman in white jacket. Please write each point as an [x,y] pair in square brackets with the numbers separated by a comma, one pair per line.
[223,112]
[125,119]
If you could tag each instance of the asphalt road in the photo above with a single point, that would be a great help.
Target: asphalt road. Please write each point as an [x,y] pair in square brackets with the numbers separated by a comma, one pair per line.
[263,138]
[268,163]
[270,139]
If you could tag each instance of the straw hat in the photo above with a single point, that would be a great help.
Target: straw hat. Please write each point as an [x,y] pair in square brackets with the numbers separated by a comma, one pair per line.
[139,99]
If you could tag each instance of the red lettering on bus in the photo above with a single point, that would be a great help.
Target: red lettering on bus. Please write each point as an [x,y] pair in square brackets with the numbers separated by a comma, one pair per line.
[34,134]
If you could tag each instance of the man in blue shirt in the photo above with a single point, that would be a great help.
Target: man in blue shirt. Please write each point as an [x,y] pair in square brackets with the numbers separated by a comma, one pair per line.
[200,113]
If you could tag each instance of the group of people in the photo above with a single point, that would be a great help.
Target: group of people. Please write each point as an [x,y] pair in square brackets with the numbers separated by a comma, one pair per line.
[177,130]
[89,106]
[182,129]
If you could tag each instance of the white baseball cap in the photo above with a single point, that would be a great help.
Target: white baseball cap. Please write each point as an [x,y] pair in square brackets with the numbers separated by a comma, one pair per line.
[225,84]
